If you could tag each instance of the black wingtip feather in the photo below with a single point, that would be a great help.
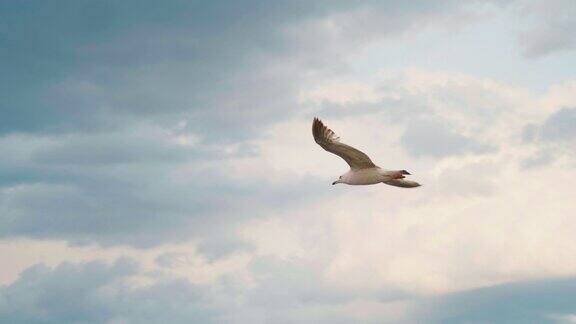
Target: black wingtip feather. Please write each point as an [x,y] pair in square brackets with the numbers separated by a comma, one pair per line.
[317,129]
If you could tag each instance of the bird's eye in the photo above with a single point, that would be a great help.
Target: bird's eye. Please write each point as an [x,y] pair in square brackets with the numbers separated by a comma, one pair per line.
[340,177]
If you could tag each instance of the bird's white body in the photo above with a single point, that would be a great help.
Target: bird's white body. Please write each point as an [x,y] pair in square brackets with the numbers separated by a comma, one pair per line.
[366,176]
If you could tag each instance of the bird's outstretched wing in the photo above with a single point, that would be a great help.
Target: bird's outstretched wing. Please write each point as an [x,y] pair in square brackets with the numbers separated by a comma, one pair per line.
[326,138]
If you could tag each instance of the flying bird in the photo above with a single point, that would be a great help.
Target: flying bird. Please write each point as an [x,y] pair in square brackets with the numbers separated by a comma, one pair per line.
[362,170]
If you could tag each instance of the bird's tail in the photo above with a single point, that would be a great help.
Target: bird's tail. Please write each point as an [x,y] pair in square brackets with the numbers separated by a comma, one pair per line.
[402,183]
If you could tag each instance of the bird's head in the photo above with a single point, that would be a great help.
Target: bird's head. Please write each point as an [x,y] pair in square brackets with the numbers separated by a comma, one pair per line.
[337,181]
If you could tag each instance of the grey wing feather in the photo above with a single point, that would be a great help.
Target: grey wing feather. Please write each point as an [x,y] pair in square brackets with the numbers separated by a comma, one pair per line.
[328,140]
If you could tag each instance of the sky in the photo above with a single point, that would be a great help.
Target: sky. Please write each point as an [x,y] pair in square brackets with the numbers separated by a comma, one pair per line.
[158,165]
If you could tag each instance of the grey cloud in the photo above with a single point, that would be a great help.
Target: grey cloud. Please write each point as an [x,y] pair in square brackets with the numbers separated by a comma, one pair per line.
[554,137]
[83,65]
[49,189]
[535,301]
[425,133]
[559,126]
[541,158]
[221,242]
[65,158]
[294,291]
[136,187]
[529,133]
[536,161]
[554,29]
[434,139]
[98,293]
[142,207]
[80,78]
[421,112]
[111,150]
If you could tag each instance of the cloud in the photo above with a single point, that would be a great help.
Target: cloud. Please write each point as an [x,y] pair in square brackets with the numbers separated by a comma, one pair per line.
[178,134]
[100,292]
[543,301]
[140,186]
[123,122]
[117,209]
[96,292]
[554,137]
[559,126]
[553,30]
[221,67]
[96,64]
[541,158]
[435,139]
[438,114]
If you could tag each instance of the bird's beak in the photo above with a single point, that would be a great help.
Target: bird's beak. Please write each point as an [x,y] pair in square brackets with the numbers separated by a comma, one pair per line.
[335,182]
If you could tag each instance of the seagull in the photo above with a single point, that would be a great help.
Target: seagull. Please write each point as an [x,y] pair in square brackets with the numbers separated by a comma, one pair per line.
[362,170]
